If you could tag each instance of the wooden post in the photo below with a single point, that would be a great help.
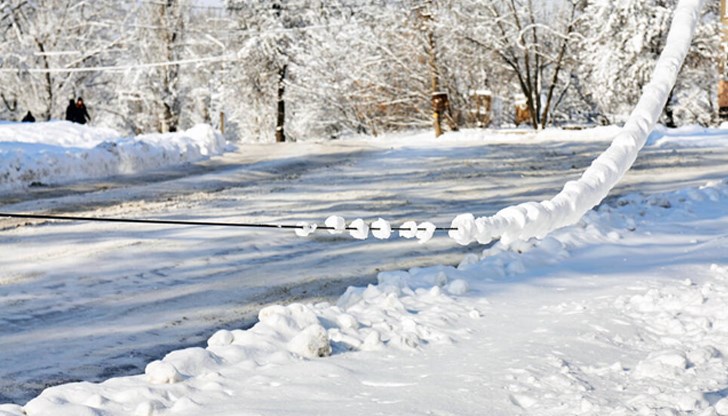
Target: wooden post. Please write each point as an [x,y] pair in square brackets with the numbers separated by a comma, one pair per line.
[723,81]
[523,110]
[439,104]
[482,107]
[222,122]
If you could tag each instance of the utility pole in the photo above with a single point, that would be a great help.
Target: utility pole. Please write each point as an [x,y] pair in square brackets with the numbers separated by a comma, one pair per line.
[723,81]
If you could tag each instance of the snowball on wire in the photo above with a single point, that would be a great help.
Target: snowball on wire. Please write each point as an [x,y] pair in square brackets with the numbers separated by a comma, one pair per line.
[463,229]
[408,229]
[336,224]
[305,229]
[381,229]
[360,229]
[425,231]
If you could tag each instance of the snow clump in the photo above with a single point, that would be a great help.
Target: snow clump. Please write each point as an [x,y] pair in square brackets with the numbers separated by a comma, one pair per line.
[381,229]
[336,224]
[360,229]
[408,230]
[425,231]
[305,229]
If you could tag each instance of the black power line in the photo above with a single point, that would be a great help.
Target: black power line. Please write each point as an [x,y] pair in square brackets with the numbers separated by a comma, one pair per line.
[199,223]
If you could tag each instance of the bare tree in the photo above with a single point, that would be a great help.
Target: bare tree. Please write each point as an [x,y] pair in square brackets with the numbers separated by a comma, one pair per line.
[169,18]
[533,44]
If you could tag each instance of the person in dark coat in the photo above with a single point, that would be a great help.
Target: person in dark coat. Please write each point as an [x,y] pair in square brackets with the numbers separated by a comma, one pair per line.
[82,116]
[28,118]
[71,111]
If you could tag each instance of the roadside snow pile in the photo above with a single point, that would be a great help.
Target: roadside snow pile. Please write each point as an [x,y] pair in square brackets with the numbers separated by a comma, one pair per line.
[674,331]
[689,136]
[56,133]
[36,154]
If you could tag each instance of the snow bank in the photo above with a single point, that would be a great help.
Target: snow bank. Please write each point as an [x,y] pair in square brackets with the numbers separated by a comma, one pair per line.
[688,137]
[59,152]
[534,219]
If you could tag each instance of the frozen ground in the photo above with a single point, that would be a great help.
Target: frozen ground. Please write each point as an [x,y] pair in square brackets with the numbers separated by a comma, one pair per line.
[89,301]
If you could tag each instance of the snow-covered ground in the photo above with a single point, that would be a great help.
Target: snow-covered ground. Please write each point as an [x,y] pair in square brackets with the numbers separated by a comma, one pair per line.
[622,313]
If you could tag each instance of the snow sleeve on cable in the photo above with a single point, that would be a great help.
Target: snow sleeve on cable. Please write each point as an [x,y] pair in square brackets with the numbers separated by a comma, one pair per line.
[533,219]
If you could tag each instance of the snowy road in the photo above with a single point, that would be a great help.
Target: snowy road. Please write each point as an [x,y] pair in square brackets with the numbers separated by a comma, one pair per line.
[89,301]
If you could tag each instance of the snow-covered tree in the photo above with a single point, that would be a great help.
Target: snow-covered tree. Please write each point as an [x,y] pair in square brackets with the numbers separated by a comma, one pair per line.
[45,46]
[151,92]
[533,42]
[269,34]
[620,52]
[388,79]
[296,69]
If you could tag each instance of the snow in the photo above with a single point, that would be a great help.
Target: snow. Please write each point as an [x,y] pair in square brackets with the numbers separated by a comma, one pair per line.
[336,224]
[622,313]
[408,229]
[305,229]
[78,298]
[381,229]
[687,137]
[84,301]
[359,229]
[613,310]
[57,152]
[425,232]
[598,316]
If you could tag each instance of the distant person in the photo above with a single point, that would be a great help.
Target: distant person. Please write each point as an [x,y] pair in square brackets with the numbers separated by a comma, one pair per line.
[28,118]
[71,111]
[82,116]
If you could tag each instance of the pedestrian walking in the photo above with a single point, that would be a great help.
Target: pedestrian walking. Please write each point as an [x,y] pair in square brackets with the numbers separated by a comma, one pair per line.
[82,116]
[71,111]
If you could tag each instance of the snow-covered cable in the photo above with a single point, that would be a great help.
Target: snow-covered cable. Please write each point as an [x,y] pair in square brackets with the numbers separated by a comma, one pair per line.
[334,224]
[537,219]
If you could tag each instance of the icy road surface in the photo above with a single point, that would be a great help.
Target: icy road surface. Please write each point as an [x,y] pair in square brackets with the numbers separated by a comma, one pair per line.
[87,301]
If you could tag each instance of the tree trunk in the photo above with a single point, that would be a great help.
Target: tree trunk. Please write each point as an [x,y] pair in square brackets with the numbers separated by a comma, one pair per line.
[669,115]
[48,82]
[281,119]
[723,77]
[559,65]
[172,22]
[434,83]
